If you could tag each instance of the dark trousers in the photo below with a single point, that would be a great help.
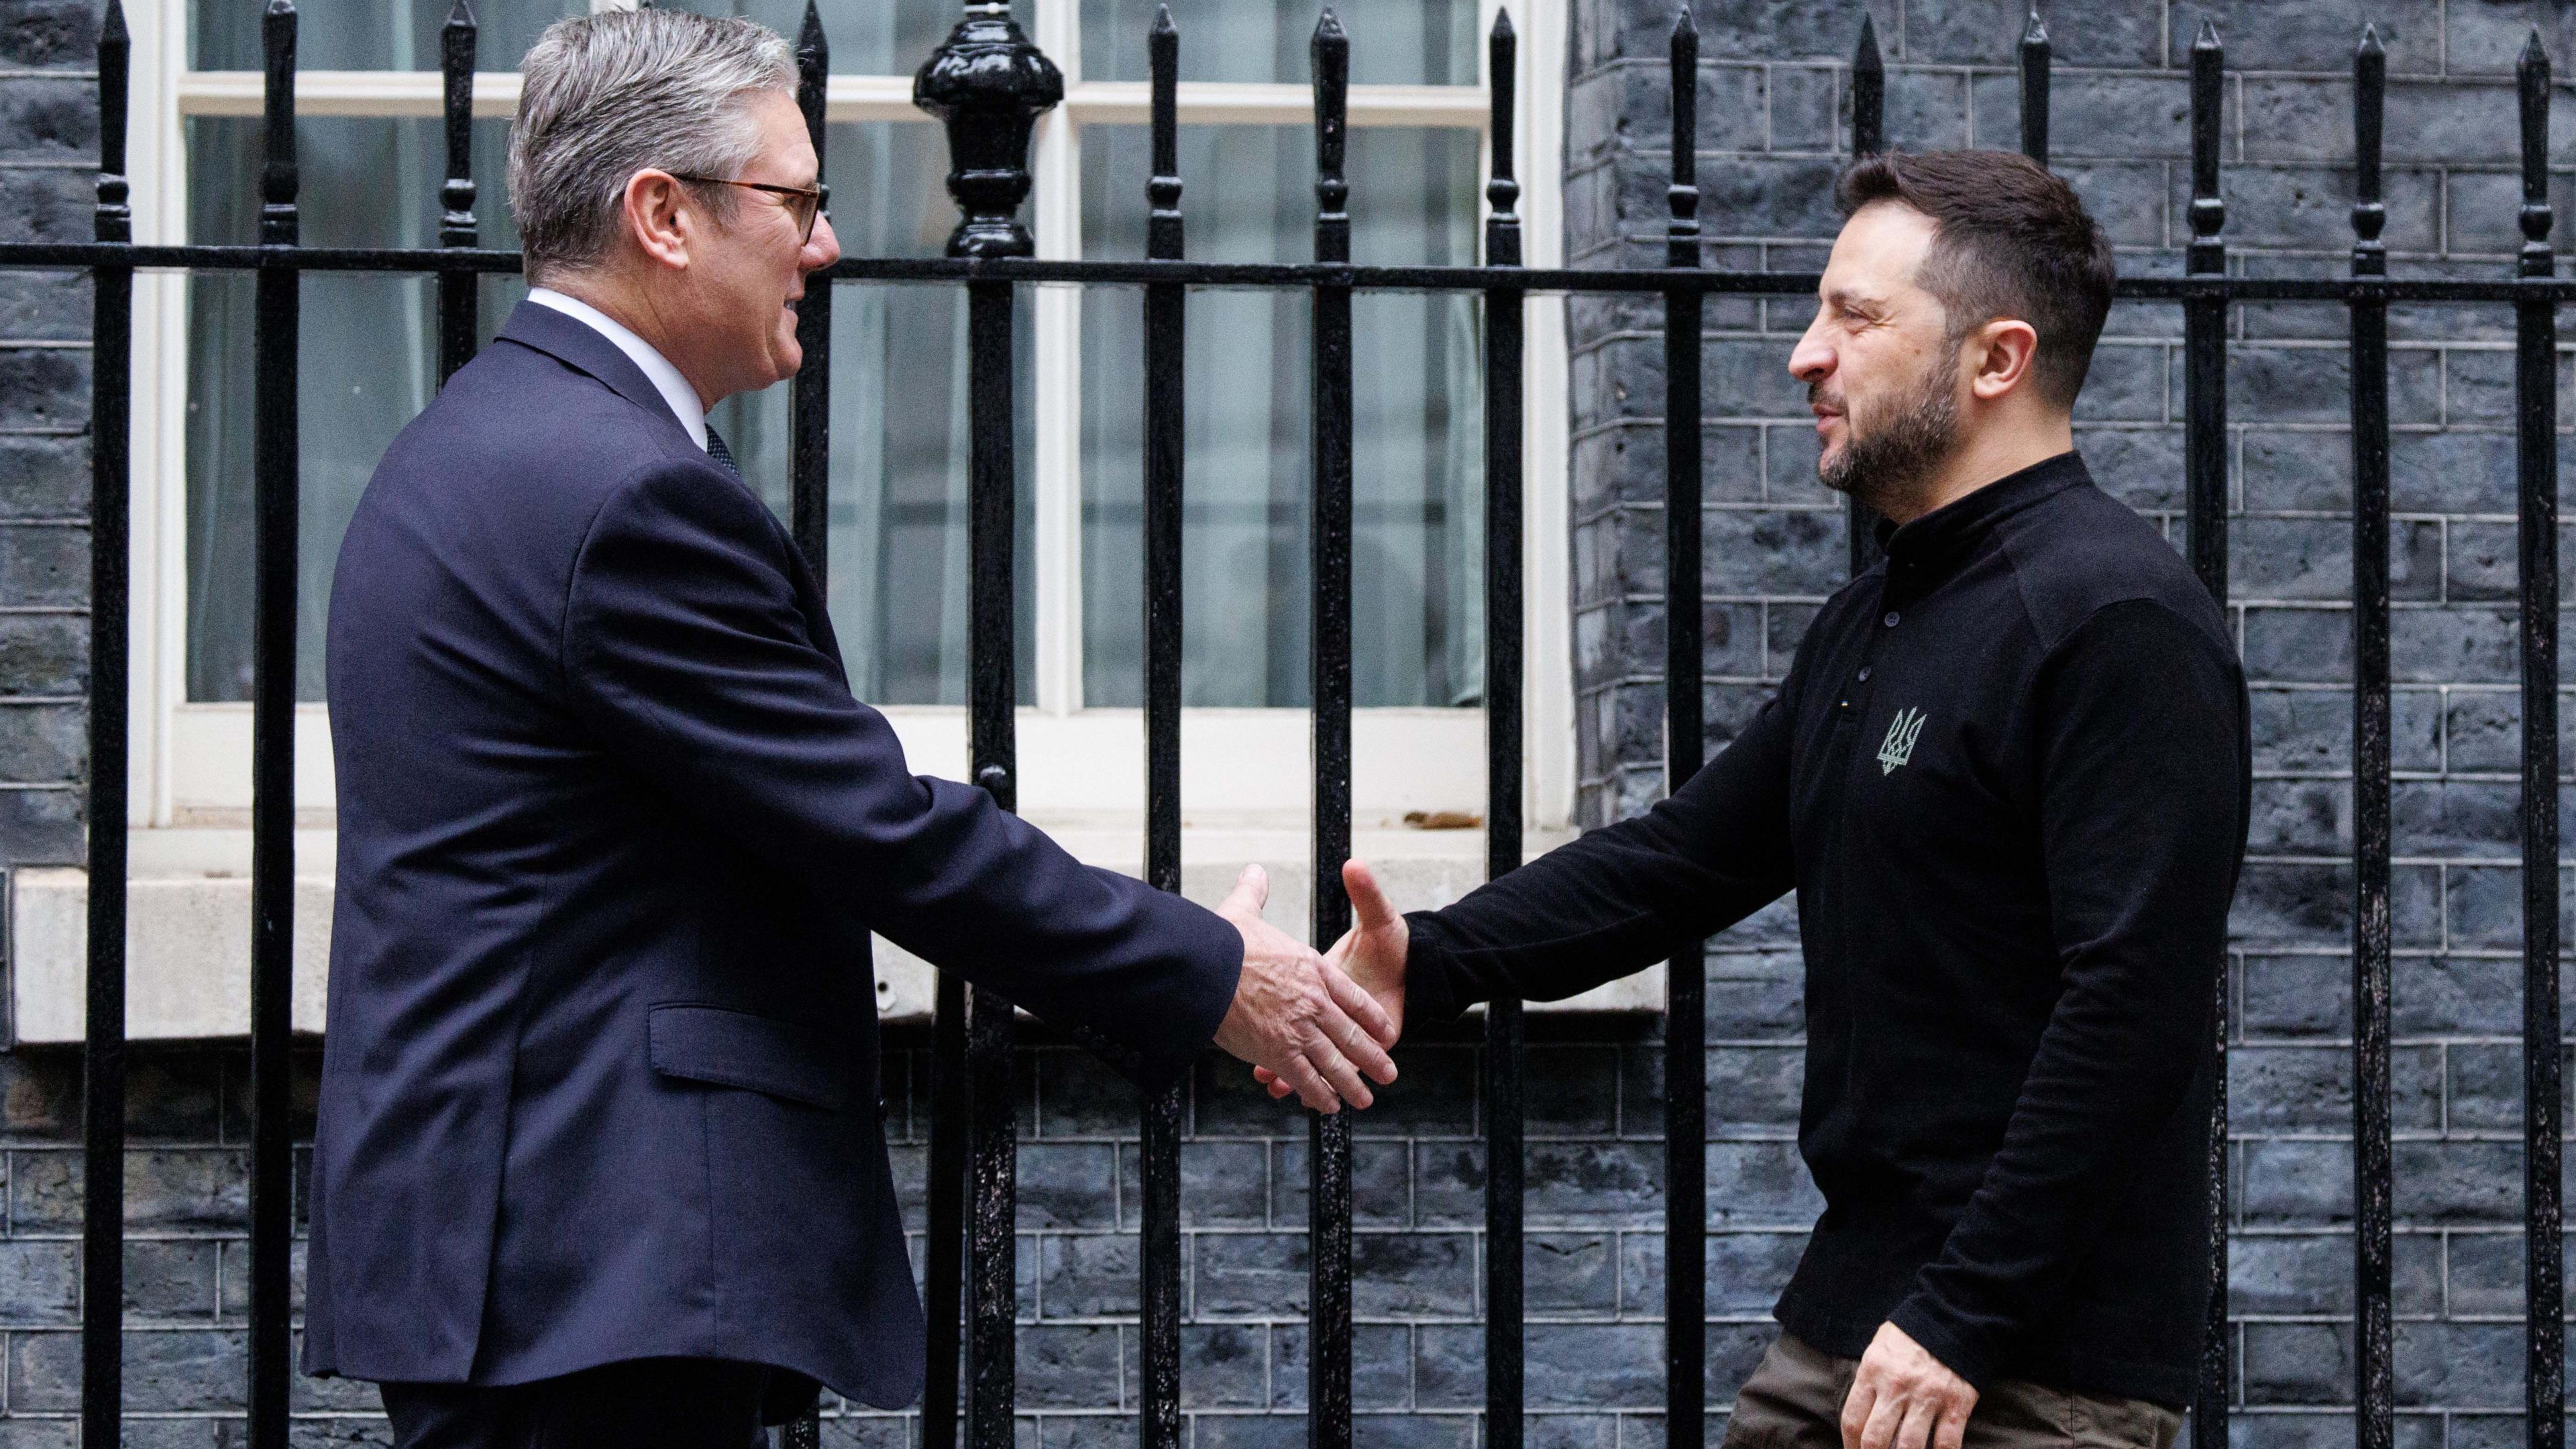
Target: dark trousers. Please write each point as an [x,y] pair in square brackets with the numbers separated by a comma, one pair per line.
[661,1403]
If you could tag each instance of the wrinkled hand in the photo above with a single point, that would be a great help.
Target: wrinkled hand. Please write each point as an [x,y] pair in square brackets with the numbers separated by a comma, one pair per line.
[1902,1397]
[1303,1022]
[1372,951]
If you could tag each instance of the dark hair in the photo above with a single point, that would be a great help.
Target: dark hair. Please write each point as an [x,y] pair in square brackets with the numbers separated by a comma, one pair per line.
[2009,240]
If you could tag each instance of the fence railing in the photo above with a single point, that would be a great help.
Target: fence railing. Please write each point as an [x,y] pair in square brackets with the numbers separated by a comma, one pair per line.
[989,84]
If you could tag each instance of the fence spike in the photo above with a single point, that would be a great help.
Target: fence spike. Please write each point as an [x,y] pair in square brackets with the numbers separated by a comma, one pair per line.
[813,77]
[115,46]
[1869,93]
[2034,88]
[1682,196]
[2531,77]
[2369,99]
[1502,63]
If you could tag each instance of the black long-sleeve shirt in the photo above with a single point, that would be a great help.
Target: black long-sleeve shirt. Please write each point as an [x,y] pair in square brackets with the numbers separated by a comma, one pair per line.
[2007,777]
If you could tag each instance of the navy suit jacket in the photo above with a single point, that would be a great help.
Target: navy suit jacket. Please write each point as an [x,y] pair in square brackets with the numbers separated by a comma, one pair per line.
[600,1079]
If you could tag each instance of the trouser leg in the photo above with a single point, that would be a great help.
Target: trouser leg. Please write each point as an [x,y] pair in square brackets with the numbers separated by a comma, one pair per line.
[1794,1400]
[643,1404]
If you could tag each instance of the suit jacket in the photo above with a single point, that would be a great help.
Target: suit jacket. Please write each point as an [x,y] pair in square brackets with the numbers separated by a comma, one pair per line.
[600,1074]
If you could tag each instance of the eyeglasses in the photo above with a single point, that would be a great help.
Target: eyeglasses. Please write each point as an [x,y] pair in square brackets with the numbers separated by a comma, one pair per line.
[803,203]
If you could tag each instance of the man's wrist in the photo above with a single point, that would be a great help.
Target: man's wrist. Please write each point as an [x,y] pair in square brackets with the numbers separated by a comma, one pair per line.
[1932,1330]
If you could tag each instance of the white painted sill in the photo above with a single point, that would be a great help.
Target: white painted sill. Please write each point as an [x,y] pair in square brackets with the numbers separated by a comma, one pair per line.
[188,920]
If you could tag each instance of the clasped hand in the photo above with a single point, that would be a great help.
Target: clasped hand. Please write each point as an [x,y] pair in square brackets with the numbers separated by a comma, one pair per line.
[1370,958]
[1304,1025]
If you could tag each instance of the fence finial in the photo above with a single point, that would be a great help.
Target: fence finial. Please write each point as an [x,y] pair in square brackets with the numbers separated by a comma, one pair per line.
[2034,88]
[813,75]
[1330,54]
[2369,98]
[2208,212]
[278,176]
[115,222]
[1869,93]
[1163,188]
[1502,189]
[1681,234]
[989,84]
[2531,78]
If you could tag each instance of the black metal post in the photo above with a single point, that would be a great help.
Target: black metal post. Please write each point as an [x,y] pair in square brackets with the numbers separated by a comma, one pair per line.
[1506,1055]
[2535,385]
[989,84]
[1685,983]
[1328,1141]
[2205,484]
[457,288]
[943,1268]
[2034,87]
[809,421]
[272,867]
[103,1040]
[1159,1136]
[1869,137]
[809,398]
[2373,1422]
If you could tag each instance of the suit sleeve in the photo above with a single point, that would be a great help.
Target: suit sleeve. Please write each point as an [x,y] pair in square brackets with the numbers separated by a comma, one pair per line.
[685,651]
[1614,901]
[2142,826]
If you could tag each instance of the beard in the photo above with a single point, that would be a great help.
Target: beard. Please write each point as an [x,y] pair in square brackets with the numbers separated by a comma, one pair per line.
[1897,458]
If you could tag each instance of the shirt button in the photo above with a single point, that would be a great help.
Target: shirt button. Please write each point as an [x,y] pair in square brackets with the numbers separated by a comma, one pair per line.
[1864,674]
[1890,620]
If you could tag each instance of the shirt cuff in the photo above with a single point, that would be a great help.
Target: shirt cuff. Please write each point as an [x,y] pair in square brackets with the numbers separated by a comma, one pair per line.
[1946,1339]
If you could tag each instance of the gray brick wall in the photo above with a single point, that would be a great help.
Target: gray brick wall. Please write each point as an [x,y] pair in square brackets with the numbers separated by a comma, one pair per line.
[1774,117]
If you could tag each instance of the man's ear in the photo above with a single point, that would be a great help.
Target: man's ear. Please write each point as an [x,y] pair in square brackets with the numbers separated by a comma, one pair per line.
[659,213]
[2001,354]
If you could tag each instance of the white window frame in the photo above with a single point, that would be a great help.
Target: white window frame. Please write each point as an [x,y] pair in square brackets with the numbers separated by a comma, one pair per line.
[190,761]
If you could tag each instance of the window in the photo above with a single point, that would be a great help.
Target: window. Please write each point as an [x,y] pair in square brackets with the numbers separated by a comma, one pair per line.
[372,158]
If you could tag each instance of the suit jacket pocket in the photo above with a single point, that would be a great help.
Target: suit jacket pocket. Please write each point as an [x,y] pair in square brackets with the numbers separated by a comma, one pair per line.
[737,1049]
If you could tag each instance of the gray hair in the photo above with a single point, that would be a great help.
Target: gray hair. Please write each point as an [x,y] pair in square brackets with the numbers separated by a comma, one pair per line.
[605,96]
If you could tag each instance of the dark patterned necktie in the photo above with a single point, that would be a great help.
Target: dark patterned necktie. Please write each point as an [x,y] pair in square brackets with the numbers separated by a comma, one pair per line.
[717,450]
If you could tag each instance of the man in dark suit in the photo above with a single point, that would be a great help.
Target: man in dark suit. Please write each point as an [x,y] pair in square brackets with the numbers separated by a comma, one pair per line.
[599,1158]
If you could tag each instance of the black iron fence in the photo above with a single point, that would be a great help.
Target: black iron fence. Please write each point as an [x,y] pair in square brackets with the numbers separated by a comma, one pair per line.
[989,84]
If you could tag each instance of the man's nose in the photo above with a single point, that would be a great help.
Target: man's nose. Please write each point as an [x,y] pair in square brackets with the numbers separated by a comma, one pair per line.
[822,248]
[1811,359]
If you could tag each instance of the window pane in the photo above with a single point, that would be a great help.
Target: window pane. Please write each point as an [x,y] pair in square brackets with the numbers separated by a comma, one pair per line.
[380,35]
[1393,42]
[867,37]
[1417,605]
[899,453]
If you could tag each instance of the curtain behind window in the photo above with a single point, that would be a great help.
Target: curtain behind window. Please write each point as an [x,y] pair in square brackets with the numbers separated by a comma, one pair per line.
[1417,440]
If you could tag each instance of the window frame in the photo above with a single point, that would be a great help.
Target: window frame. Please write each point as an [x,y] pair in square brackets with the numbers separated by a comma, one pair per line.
[191,760]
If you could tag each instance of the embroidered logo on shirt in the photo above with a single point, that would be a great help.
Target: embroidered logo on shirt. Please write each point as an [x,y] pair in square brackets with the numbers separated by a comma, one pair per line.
[1899,746]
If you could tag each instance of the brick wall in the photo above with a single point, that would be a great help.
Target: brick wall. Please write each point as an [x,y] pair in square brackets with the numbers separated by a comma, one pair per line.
[1774,108]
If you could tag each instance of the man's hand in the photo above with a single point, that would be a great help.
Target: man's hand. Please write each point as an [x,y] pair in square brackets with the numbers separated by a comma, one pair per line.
[1902,1397]
[1299,1020]
[1372,951]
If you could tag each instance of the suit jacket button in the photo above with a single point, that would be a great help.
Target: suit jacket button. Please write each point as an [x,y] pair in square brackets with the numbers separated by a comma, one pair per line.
[883,1111]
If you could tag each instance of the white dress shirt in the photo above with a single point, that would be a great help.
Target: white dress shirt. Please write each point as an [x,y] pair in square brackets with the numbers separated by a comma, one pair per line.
[666,379]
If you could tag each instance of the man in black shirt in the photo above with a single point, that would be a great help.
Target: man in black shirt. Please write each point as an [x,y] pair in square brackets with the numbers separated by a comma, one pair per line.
[2006,776]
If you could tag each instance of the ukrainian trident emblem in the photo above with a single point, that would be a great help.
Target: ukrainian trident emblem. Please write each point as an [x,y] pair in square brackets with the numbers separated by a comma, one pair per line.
[1899,745]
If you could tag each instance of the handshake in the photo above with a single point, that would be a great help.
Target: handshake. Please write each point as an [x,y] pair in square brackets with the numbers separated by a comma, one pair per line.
[1318,1026]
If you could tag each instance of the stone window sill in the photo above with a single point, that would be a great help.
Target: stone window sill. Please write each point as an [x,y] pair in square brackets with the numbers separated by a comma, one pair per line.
[188,921]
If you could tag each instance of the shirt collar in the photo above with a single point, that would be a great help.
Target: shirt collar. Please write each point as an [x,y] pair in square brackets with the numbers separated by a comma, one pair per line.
[1945,534]
[656,368]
